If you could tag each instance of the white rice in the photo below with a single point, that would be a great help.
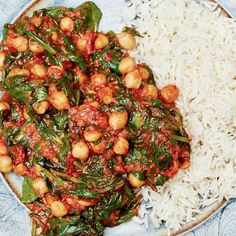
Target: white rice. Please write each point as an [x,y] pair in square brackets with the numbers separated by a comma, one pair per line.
[193,46]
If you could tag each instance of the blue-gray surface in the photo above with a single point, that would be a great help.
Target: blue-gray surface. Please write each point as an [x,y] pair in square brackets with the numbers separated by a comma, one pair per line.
[13,215]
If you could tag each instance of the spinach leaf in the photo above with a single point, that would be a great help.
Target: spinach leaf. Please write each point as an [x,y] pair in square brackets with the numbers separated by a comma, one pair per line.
[19,88]
[138,175]
[67,85]
[160,179]
[156,103]
[72,225]
[48,182]
[91,14]
[138,155]
[41,94]
[84,193]
[23,31]
[65,148]
[162,156]
[28,194]
[40,160]
[47,133]
[54,60]
[4,32]
[77,59]
[54,12]
[68,43]
[137,120]
[60,121]
[113,53]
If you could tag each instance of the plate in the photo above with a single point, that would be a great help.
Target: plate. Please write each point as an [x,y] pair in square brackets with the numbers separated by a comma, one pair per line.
[111,20]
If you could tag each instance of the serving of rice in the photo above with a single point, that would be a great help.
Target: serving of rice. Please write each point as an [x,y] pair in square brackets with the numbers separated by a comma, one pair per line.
[193,46]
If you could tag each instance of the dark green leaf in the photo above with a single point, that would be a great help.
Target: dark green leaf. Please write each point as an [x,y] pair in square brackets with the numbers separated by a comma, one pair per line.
[84,193]
[160,179]
[78,59]
[54,12]
[23,31]
[91,14]
[156,103]
[71,226]
[4,32]
[18,87]
[47,133]
[41,94]
[137,120]
[69,44]
[67,85]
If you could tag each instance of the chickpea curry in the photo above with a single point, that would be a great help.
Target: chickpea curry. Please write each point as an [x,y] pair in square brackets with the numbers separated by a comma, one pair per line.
[83,122]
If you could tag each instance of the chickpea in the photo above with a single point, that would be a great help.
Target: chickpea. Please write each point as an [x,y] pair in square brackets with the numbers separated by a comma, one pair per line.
[58,209]
[118,120]
[170,93]
[126,40]
[98,79]
[85,202]
[39,70]
[101,41]
[25,114]
[5,164]
[92,135]
[18,71]
[41,107]
[55,72]
[144,73]
[127,65]
[135,182]
[59,100]
[67,24]
[3,148]
[20,43]
[20,169]
[54,36]
[99,148]
[81,43]
[37,169]
[95,104]
[82,77]
[105,95]
[121,147]
[2,59]
[40,187]
[50,198]
[80,151]
[133,80]
[185,164]
[35,47]
[151,91]
[36,21]
[4,106]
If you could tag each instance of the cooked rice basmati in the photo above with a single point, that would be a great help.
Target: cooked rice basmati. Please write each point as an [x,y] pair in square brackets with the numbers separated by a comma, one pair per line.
[193,46]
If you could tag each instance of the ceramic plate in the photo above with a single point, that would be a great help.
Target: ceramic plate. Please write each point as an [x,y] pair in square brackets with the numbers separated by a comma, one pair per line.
[111,20]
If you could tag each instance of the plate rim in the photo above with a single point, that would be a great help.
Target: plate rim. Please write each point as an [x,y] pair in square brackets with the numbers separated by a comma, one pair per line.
[202,218]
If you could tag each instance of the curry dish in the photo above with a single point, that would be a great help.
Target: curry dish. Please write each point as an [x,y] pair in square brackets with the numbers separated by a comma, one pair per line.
[83,122]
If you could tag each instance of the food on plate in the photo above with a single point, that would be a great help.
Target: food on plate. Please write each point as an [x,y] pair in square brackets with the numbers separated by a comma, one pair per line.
[84,122]
[192,45]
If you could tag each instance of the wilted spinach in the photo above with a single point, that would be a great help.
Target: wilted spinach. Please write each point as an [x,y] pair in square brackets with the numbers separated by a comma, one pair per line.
[28,194]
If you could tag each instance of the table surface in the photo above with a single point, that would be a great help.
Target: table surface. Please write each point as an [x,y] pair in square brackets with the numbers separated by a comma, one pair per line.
[13,216]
